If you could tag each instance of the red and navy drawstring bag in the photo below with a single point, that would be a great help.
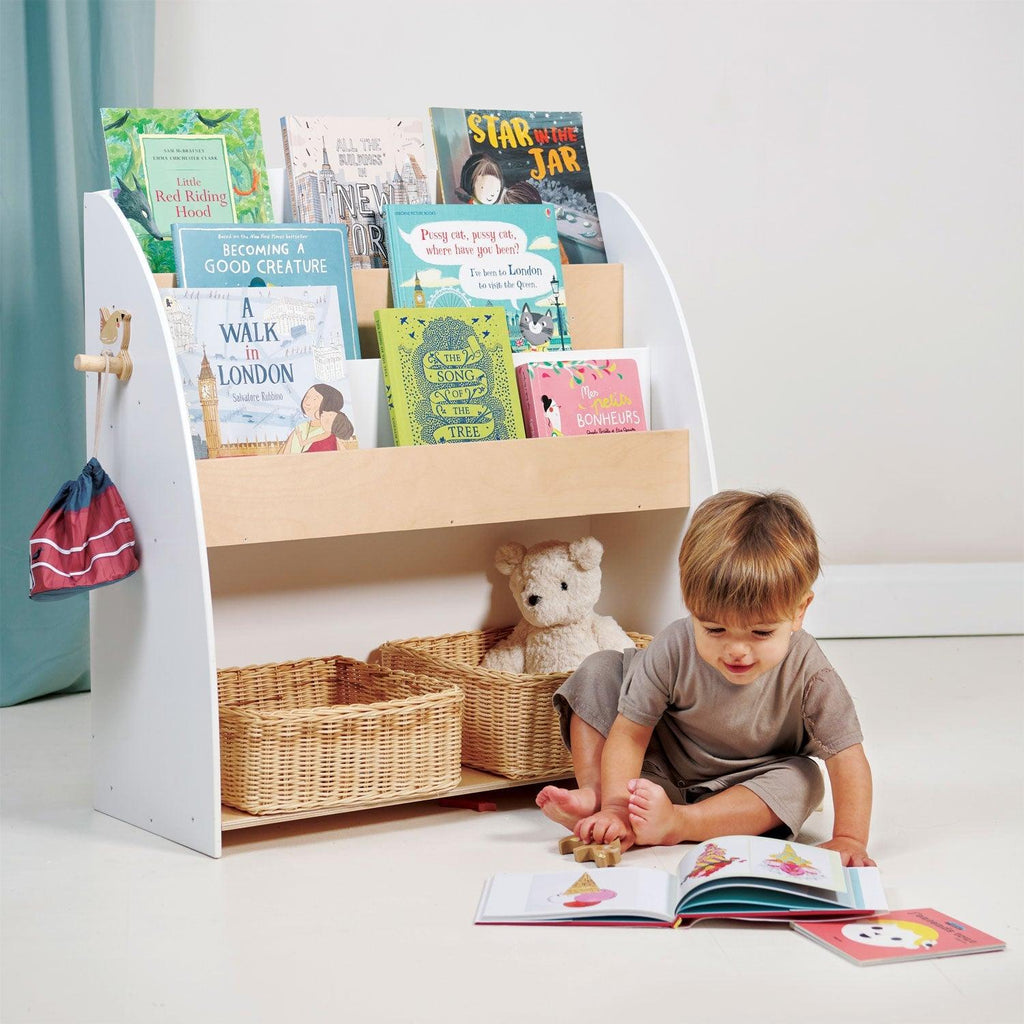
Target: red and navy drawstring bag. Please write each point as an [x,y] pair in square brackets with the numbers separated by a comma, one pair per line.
[85,539]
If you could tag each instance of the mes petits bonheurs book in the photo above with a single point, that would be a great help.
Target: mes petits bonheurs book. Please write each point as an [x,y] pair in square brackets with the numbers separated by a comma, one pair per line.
[747,877]
[262,369]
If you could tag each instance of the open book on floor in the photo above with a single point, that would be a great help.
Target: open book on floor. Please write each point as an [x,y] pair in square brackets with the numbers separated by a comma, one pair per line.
[747,877]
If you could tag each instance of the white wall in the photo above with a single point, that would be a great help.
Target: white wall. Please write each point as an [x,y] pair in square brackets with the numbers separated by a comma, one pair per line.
[836,189]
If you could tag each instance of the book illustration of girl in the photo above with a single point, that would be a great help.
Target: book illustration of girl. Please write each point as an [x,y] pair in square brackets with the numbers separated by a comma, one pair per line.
[481,180]
[326,426]
[553,414]
[892,934]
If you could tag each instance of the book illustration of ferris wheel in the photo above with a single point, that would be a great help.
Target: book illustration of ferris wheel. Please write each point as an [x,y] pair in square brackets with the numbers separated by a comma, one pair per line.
[450,298]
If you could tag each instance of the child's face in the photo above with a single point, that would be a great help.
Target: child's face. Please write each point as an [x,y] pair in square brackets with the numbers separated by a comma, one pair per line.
[742,652]
[487,188]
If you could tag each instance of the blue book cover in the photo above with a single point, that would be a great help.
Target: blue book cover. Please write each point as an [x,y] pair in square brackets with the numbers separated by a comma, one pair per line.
[243,256]
[505,256]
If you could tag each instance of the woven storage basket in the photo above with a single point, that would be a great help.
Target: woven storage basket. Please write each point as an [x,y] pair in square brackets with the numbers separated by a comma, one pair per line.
[508,724]
[334,732]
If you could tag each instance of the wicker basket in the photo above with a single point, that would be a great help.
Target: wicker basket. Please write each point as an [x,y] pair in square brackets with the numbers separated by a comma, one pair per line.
[509,726]
[334,732]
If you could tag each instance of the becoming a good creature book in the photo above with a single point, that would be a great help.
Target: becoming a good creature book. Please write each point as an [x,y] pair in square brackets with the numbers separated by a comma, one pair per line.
[236,256]
[592,396]
[263,369]
[899,935]
[345,169]
[521,156]
[184,165]
[507,256]
[746,877]
[448,375]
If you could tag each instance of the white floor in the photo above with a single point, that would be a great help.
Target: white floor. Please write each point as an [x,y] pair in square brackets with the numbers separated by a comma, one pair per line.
[368,917]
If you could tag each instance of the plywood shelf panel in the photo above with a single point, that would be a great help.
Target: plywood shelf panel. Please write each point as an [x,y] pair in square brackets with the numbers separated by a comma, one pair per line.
[380,490]
[473,781]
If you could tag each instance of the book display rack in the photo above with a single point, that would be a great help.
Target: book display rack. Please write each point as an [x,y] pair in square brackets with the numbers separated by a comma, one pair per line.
[251,560]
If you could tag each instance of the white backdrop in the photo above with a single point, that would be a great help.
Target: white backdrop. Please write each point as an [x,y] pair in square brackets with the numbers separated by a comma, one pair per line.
[836,189]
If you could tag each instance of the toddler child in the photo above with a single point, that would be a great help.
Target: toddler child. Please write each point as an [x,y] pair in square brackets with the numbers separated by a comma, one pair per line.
[709,731]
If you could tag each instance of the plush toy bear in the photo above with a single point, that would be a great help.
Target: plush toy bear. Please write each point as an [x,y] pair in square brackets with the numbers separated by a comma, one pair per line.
[556,585]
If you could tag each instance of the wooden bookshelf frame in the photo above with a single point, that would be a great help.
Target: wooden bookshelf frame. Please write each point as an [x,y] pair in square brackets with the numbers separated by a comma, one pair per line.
[246,560]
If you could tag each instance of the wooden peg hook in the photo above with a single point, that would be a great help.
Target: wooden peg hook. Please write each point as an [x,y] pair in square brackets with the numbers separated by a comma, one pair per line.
[119,363]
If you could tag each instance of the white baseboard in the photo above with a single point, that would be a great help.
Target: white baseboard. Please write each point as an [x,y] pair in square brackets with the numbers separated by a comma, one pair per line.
[927,599]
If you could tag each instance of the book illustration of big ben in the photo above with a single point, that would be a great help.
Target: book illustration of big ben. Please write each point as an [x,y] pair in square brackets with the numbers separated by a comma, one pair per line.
[263,371]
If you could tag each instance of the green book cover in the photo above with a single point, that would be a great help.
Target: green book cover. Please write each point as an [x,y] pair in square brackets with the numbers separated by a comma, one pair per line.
[448,375]
[186,166]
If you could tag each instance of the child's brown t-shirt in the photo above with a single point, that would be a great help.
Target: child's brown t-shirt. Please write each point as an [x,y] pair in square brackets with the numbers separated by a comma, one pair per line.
[710,727]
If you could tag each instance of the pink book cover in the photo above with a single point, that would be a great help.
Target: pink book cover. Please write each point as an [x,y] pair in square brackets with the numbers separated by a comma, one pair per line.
[572,396]
[899,935]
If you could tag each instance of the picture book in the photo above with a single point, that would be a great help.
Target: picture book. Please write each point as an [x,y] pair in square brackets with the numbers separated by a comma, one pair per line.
[592,396]
[343,170]
[237,256]
[521,156]
[746,877]
[196,166]
[446,256]
[263,369]
[448,375]
[899,935]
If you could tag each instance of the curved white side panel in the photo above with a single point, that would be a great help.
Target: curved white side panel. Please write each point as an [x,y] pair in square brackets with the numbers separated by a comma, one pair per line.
[652,316]
[642,581]
[155,743]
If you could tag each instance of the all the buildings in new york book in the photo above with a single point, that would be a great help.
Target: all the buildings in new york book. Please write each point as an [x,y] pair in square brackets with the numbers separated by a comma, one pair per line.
[346,169]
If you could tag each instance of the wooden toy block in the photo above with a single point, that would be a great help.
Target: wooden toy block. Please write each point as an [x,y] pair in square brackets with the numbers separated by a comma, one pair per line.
[604,855]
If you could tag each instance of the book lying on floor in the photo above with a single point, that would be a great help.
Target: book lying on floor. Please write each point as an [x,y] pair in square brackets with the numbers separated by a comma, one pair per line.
[748,877]
[899,935]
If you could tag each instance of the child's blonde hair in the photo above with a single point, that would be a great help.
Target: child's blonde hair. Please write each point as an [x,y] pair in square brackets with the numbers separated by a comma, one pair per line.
[748,558]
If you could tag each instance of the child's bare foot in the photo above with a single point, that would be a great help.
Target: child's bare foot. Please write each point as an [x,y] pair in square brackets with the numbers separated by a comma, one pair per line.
[655,819]
[567,806]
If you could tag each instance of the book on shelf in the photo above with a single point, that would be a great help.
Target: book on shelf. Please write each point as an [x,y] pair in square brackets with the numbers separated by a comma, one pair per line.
[521,156]
[899,935]
[580,396]
[239,256]
[263,369]
[346,169]
[505,256]
[196,166]
[448,375]
[745,877]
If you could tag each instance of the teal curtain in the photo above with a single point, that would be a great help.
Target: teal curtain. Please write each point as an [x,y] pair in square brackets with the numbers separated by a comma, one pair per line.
[61,61]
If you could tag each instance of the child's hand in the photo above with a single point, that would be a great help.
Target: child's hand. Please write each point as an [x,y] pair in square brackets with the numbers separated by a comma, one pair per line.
[853,852]
[605,827]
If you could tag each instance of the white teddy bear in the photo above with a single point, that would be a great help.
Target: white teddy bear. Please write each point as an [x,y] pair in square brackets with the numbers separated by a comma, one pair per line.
[556,585]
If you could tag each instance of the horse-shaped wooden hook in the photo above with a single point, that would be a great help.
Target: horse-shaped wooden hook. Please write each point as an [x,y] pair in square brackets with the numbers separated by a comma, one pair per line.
[120,363]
